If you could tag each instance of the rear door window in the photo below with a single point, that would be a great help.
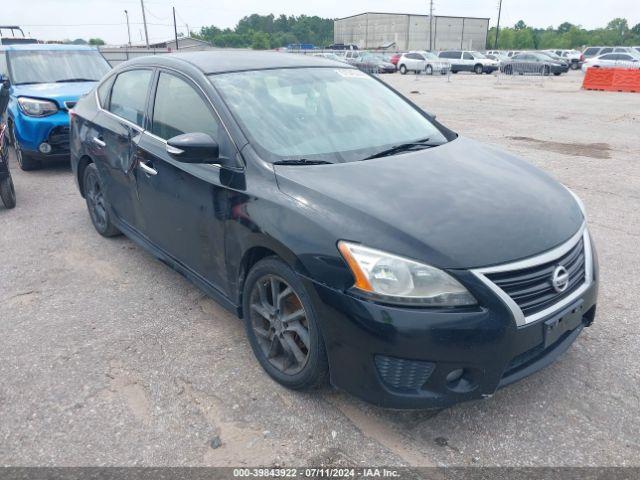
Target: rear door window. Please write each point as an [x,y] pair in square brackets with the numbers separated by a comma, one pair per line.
[467,56]
[129,95]
[606,50]
[591,51]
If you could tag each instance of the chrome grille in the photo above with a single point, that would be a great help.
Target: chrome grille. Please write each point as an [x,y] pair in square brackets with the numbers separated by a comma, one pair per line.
[531,288]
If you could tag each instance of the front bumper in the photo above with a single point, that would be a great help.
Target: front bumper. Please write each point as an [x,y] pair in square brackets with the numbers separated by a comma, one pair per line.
[401,357]
[31,132]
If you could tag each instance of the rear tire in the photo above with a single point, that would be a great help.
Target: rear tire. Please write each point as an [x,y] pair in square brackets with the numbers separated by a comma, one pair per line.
[7,192]
[428,70]
[292,352]
[97,203]
[574,66]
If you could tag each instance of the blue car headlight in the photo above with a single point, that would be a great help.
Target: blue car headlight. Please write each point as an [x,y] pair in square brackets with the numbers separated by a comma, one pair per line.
[36,107]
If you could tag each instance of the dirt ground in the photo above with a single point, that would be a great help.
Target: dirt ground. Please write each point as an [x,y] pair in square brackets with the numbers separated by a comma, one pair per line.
[108,357]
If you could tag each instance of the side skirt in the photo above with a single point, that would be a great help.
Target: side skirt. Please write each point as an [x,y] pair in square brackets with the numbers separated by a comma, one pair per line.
[195,278]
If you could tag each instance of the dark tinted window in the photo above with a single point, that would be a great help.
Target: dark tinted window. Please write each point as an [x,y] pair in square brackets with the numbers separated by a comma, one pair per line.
[452,55]
[610,56]
[591,51]
[624,56]
[180,109]
[606,50]
[129,95]
[467,56]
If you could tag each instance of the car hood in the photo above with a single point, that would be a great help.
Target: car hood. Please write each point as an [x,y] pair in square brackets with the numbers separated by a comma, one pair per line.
[459,205]
[58,92]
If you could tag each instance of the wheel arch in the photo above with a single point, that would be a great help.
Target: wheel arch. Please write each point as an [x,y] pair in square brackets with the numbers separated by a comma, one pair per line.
[259,249]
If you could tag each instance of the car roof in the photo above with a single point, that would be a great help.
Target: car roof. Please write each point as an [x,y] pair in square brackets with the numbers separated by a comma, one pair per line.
[210,62]
[46,46]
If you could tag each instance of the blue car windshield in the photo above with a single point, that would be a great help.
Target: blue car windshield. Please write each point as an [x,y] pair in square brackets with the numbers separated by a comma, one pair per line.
[50,66]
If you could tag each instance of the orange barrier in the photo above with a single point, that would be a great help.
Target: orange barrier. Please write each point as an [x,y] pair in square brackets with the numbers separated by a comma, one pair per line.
[612,79]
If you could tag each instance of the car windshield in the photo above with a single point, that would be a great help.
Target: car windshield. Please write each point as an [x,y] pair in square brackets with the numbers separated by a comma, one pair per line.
[328,114]
[49,66]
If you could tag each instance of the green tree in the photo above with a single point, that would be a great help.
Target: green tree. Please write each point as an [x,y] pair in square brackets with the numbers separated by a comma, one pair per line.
[260,41]
[520,25]
[96,41]
[621,29]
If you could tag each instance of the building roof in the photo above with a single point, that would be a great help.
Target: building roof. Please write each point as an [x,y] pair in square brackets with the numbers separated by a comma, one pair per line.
[180,39]
[412,14]
[216,61]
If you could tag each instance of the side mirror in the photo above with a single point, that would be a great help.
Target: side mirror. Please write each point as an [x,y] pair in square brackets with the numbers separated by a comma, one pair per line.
[193,148]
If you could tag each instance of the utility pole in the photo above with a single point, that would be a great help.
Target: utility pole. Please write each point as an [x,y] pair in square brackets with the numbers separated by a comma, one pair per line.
[126,14]
[175,28]
[495,46]
[144,20]
[430,24]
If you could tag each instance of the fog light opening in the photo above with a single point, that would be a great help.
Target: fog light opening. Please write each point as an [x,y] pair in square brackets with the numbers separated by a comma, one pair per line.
[461,380]
[455,375]
[44,147]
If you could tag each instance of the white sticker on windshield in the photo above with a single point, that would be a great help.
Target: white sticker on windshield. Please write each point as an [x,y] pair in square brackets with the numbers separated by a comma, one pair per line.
[351,73]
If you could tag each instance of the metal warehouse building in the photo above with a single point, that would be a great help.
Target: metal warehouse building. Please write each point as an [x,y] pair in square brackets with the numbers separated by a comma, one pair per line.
[412,32]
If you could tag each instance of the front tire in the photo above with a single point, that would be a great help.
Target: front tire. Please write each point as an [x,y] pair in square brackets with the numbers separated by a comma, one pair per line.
[282,326]
[478,69]
[97,203]
[403,69]
[428,70]
[26,162]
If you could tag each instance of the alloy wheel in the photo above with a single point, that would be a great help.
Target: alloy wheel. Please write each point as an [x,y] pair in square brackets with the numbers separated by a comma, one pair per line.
[280,324]
[96,201]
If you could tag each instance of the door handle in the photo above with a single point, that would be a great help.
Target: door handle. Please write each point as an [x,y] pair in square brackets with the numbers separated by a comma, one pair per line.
[99,142]
[147,169]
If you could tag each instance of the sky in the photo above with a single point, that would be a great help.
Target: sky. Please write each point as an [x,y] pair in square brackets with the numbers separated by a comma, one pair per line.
[61,19]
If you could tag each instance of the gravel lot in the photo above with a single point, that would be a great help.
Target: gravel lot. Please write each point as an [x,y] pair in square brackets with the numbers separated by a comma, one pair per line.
[108,357]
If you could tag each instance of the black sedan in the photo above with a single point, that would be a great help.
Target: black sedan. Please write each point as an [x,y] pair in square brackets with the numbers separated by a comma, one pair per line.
[359,239]
[532,63]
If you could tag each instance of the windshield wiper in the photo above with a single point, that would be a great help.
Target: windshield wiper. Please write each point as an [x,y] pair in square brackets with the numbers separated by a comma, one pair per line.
[403,147]
[301,161]
[77,80]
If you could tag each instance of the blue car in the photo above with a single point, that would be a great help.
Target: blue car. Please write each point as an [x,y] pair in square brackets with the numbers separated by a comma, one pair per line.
[46,82]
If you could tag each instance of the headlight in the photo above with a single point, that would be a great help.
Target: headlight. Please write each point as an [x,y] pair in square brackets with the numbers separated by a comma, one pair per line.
[35,107]
[394,279]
